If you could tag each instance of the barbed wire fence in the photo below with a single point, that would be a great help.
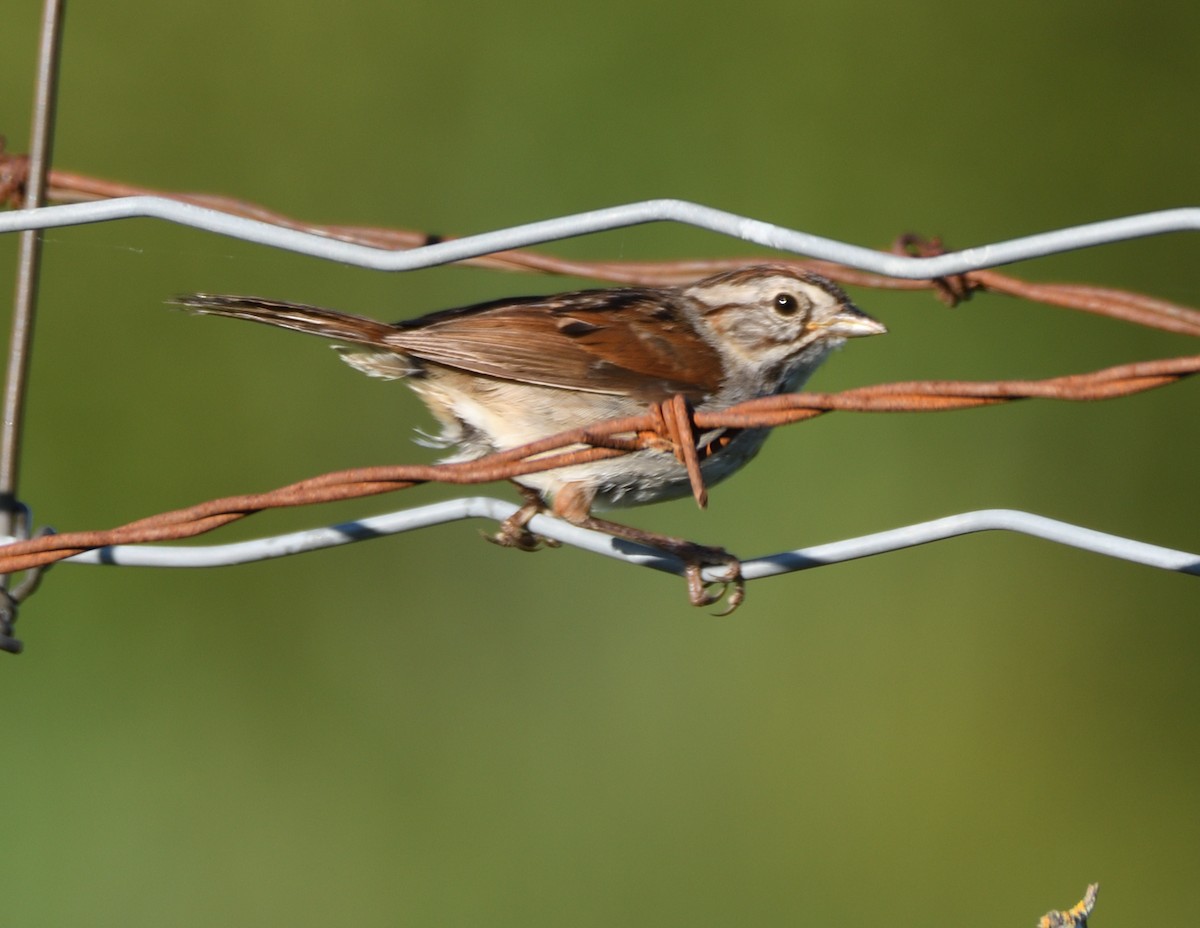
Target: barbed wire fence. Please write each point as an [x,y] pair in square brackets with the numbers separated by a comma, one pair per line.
[26,182]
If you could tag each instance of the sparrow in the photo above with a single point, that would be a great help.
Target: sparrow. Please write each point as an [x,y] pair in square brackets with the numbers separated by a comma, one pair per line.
[504,373]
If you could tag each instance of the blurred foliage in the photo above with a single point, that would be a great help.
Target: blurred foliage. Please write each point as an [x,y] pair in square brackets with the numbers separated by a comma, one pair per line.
[428,729]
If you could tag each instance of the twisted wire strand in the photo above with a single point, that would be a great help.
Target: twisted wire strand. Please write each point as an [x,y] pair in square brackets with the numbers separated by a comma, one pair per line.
[1137,308]
[606,439]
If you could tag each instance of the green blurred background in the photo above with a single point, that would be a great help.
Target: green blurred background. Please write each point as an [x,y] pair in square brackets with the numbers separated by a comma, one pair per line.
[431,730]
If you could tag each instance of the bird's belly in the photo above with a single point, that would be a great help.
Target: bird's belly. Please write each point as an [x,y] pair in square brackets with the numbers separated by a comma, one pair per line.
[647,476]
[481,416]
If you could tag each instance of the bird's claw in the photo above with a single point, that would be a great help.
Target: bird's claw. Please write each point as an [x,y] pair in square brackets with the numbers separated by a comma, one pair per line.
[731,587]
[514,532]
[521,539]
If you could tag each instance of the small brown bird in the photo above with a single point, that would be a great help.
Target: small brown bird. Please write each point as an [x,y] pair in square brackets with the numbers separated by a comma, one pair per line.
[501,374]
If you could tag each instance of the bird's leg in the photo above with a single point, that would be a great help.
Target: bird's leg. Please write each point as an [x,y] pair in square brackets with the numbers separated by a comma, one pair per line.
[731,587]
[513,531]
[573,504]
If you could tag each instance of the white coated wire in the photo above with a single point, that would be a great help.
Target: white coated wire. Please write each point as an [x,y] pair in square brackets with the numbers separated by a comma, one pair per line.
[482,507]
[1184,219]
[752,230]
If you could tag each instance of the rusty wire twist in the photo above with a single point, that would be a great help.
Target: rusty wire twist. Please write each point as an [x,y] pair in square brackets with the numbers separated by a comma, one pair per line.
[1137,308]
[607,439]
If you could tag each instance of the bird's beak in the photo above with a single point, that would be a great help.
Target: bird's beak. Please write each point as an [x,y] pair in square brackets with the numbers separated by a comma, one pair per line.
[852,322]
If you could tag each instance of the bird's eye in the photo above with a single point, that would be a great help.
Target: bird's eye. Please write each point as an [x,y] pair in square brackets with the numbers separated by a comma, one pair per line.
[786,304]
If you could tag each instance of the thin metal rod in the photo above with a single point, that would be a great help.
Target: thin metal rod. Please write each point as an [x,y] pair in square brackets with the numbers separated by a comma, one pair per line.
[482,507]
[28,263]
[1182,219]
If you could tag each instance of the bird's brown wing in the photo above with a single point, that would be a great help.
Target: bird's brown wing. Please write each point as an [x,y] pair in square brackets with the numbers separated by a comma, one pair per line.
[625,341]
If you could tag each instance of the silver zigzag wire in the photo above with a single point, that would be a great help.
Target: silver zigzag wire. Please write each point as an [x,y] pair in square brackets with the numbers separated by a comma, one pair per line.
[482,507]
[1184,219]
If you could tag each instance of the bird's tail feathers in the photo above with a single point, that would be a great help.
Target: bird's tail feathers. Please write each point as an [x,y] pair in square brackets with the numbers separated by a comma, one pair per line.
[312,320]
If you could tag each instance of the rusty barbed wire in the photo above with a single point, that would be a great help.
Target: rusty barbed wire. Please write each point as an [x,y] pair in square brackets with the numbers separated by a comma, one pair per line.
[1137,308]
[607,439]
